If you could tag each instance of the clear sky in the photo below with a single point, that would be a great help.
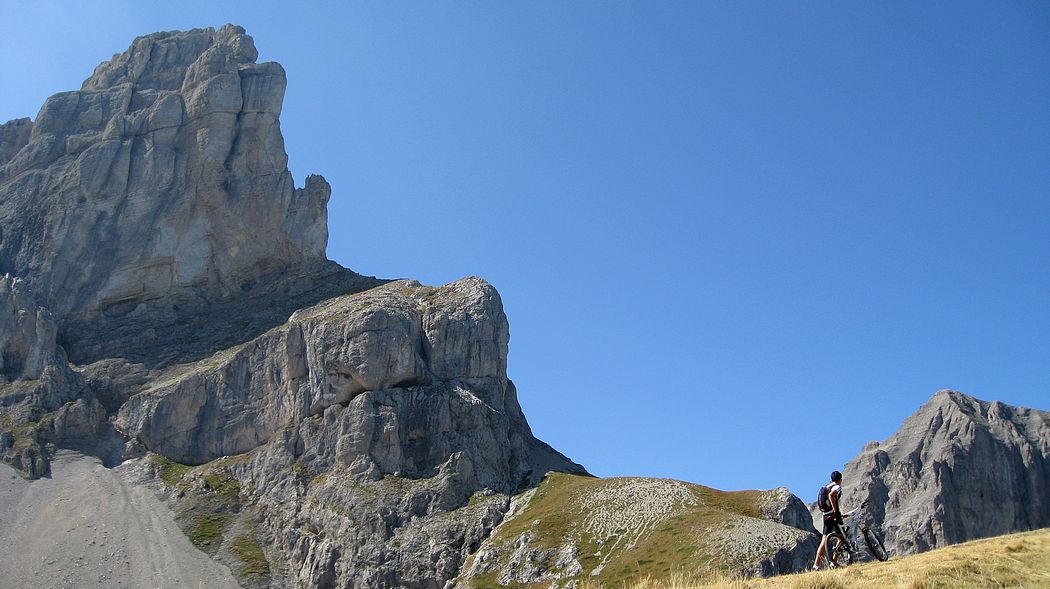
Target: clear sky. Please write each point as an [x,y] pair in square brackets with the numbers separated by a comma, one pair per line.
[735,241]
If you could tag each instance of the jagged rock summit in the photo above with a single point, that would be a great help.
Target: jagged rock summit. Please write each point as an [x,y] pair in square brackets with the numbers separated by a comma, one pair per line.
[157,189]
[958,469]
[165,302]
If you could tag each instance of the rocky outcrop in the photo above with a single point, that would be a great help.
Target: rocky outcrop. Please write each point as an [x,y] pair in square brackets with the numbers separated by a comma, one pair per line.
[781,506]
[14,135]
[27,334]
[166,300]
[378,431]
[35,376]
[399,336]
[958,469]
[42,399]
[140,198]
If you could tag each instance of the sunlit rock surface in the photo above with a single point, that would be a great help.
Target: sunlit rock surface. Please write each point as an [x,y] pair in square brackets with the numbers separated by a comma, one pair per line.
[958,469]
[165,301]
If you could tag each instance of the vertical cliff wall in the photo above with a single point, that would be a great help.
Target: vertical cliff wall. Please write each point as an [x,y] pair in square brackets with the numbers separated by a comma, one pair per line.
[158,188]
[165,299]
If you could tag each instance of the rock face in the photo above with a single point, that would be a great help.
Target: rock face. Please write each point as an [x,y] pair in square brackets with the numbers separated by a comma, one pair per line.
[369,421]
[42,399]
[144,193]
[779,505]
[27,334]
[165,300]
[958,469]
[14,135]
[398,336]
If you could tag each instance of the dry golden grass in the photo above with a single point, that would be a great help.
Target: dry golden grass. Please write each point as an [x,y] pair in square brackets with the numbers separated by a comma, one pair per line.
[1017,560]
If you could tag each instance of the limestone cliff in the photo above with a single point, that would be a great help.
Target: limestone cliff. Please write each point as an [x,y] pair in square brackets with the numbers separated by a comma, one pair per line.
[958,469]
[165,301]
[133,204]
[377,431]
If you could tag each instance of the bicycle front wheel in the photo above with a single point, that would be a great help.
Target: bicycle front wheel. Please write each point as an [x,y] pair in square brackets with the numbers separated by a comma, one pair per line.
[843,555]
[878,549]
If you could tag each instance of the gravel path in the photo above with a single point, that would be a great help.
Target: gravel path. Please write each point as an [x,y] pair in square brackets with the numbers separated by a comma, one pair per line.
[87,528]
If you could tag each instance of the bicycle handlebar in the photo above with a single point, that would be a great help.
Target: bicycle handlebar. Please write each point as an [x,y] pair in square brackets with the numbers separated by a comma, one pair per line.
[855,509]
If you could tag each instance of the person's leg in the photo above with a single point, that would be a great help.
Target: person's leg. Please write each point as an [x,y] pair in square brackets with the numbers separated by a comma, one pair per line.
[829,529]
[820,551]
[840,538]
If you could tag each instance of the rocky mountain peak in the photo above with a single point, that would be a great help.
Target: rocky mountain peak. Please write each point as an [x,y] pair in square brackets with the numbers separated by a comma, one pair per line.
[958,469]
[161,186]
[174,60]
[166,304]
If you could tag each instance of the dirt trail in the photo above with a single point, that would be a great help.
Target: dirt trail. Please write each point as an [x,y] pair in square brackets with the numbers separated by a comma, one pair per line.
[85,527]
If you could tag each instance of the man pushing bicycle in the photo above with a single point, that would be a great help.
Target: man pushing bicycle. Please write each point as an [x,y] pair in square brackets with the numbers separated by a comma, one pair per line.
[828,502]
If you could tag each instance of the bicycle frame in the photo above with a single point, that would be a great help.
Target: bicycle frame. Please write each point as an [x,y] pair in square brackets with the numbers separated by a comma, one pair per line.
[851,530]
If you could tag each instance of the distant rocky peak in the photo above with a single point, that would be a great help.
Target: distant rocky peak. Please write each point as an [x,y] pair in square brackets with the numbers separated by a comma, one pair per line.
[958,469]
[165,61]
[954,413]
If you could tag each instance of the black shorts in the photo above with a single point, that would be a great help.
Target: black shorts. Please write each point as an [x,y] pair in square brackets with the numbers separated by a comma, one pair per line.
[831,524]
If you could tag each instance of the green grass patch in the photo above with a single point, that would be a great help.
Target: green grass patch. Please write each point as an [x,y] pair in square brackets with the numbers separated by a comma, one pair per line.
[207,529]
[738,502]
[549,512]
[221,481]
[168,470]
[251,554]
[216,476]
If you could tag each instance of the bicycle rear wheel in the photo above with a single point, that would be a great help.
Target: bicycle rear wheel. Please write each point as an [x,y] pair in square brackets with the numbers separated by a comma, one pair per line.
[878,549]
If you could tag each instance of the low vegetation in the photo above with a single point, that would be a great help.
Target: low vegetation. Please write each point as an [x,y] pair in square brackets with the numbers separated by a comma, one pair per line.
[246,547]
[1017,560]
[213,478]
[168,470]
[206,529]
[623,529]
[211,511]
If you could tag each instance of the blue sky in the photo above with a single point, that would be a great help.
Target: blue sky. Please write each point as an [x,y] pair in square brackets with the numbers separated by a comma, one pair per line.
[735,241]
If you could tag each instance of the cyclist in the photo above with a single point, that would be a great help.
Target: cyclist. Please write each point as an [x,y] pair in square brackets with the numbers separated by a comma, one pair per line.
[832,518]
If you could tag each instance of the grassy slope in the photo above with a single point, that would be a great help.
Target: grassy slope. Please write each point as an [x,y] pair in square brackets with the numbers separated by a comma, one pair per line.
[1016,560]
[674,542]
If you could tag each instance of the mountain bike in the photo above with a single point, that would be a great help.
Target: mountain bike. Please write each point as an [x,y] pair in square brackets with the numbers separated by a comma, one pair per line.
[852,529]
